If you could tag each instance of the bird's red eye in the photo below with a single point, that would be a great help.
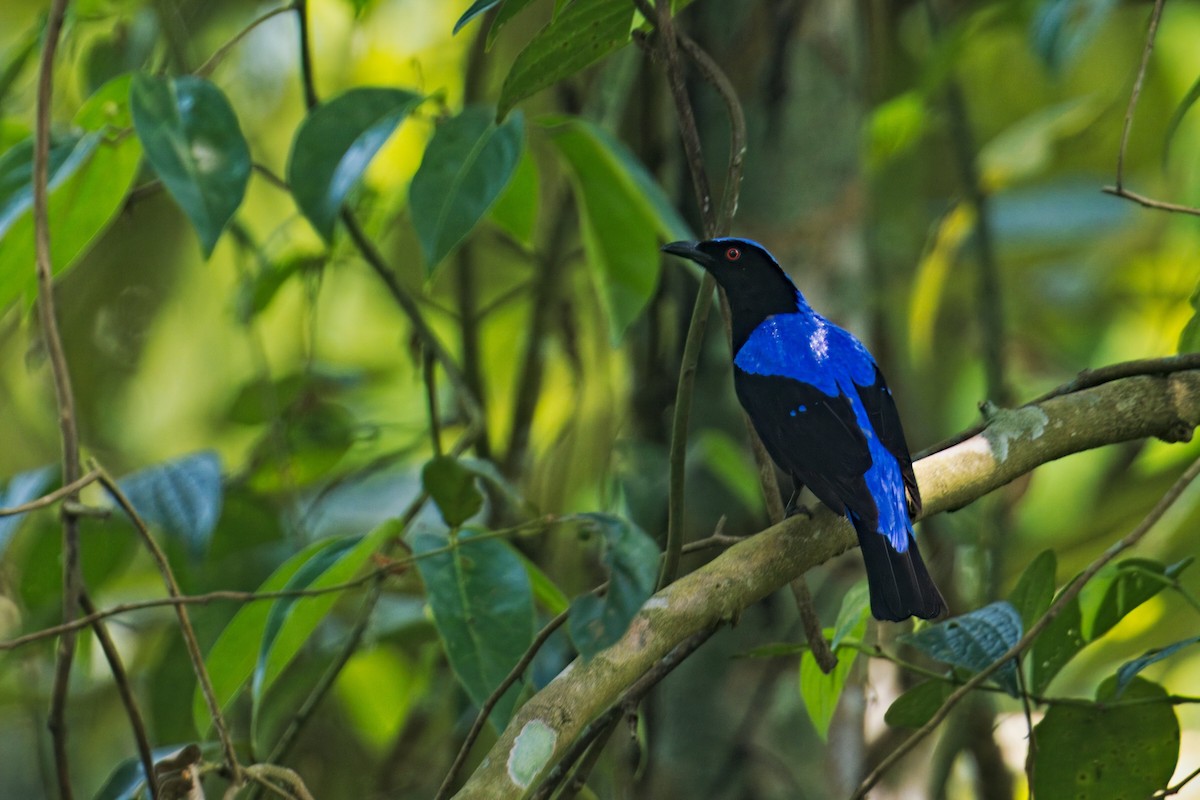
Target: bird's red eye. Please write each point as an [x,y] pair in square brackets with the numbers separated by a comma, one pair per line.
[733,254]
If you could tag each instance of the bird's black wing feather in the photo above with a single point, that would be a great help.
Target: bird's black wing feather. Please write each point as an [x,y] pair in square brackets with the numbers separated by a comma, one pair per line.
[885,419]
[821,446]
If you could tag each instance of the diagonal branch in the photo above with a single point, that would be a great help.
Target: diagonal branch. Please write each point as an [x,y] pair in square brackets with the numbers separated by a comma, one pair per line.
[1015,443]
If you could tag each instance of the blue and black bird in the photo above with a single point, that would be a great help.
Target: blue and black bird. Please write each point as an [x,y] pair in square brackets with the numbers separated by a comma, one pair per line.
[826,416]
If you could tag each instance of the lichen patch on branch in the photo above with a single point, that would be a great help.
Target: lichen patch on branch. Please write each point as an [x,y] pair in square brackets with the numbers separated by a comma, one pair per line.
[531,752]
[1011,425]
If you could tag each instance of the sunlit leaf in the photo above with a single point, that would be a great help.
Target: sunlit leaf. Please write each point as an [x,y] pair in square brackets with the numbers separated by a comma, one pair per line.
[585,32]
[820,691]
[233,659]
[183,497]
[334,145]
[21,489]
[632,561]
[483,607]
[918,705]
[193,140]
[620,218]
[516,209]
[378,688]
[856,607]
[1107,751]
[452,487]
[466,166]
[1035,589]
[974,641]
[86,190]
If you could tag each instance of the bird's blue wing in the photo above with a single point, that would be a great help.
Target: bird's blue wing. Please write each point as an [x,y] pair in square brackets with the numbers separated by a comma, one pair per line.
[885,419]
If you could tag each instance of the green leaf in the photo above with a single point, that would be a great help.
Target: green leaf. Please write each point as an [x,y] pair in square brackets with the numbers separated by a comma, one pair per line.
[1055,646]
[483,608]
[1107,751]
[21,489]
[918,705]
[545,590]
[192,139]
[233,658]
[477,8]
[1131,668]
[632,560]
[334,145]
[182,496]
[1117,590]
[582,34]
[856,607]
[452,487]
[973,641]
[1035,589]
[467,164]
[506,13]
[620,223]
[517,207]
[821,692]
[87,190]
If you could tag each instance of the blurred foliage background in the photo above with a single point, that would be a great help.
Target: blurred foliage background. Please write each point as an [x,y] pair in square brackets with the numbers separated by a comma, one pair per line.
[287,357]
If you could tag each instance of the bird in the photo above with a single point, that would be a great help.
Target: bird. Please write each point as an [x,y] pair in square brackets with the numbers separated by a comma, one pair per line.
[825,415]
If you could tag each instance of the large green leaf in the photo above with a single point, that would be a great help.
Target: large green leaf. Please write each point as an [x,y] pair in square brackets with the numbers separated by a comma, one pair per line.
[1032,595]
[632,560]
[622,219]
[182,496]
[334,145]
[192,139]
[820,691]
[237,651]
[96,166]
[918,705]
[466,166]
[483,607]
[974,641]
[1107,751]
[585,32]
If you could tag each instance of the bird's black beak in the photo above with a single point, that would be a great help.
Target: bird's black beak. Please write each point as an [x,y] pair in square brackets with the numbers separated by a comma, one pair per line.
[688,250]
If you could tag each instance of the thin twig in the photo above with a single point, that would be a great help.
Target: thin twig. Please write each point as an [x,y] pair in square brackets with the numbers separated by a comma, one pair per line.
[64,397]
[485,710]
[1149,202]
[219,54]
[1155,15]
[1177,788]
[308,80]
[50,499]
[121,679]
[185,626]
[1068,595]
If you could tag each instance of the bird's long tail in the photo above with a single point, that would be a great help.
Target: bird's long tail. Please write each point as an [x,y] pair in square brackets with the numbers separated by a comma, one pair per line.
[900,585]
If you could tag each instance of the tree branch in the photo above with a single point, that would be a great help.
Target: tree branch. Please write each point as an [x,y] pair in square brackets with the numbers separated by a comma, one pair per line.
[1013,444]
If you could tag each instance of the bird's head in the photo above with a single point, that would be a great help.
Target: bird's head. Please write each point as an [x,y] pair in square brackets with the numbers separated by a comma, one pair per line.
[755,284]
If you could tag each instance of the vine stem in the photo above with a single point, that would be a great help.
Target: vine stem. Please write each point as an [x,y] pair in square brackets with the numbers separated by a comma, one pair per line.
[1014,652]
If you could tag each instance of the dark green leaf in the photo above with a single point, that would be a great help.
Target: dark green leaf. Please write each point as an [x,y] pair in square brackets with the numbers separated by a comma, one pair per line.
[21,489]
[517,207]
[183,497]
[85,194]
[506,13]
[973,641]
[334,145]
[1107,751]
[918,705]
[467,164]
[620,222]
[452,487]
[1035,589]
[1131,668]
[192,139]
[477,8]
[582,34]
[632,560]
[237,652]
[776,650]
[1117,590]
[483,607]
[1056,645]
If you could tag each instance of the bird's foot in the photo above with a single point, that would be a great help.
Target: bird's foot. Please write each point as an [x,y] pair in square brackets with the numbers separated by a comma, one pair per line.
[796,509]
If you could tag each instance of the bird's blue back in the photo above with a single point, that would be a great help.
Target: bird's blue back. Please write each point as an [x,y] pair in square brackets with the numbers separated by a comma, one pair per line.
[806,347]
